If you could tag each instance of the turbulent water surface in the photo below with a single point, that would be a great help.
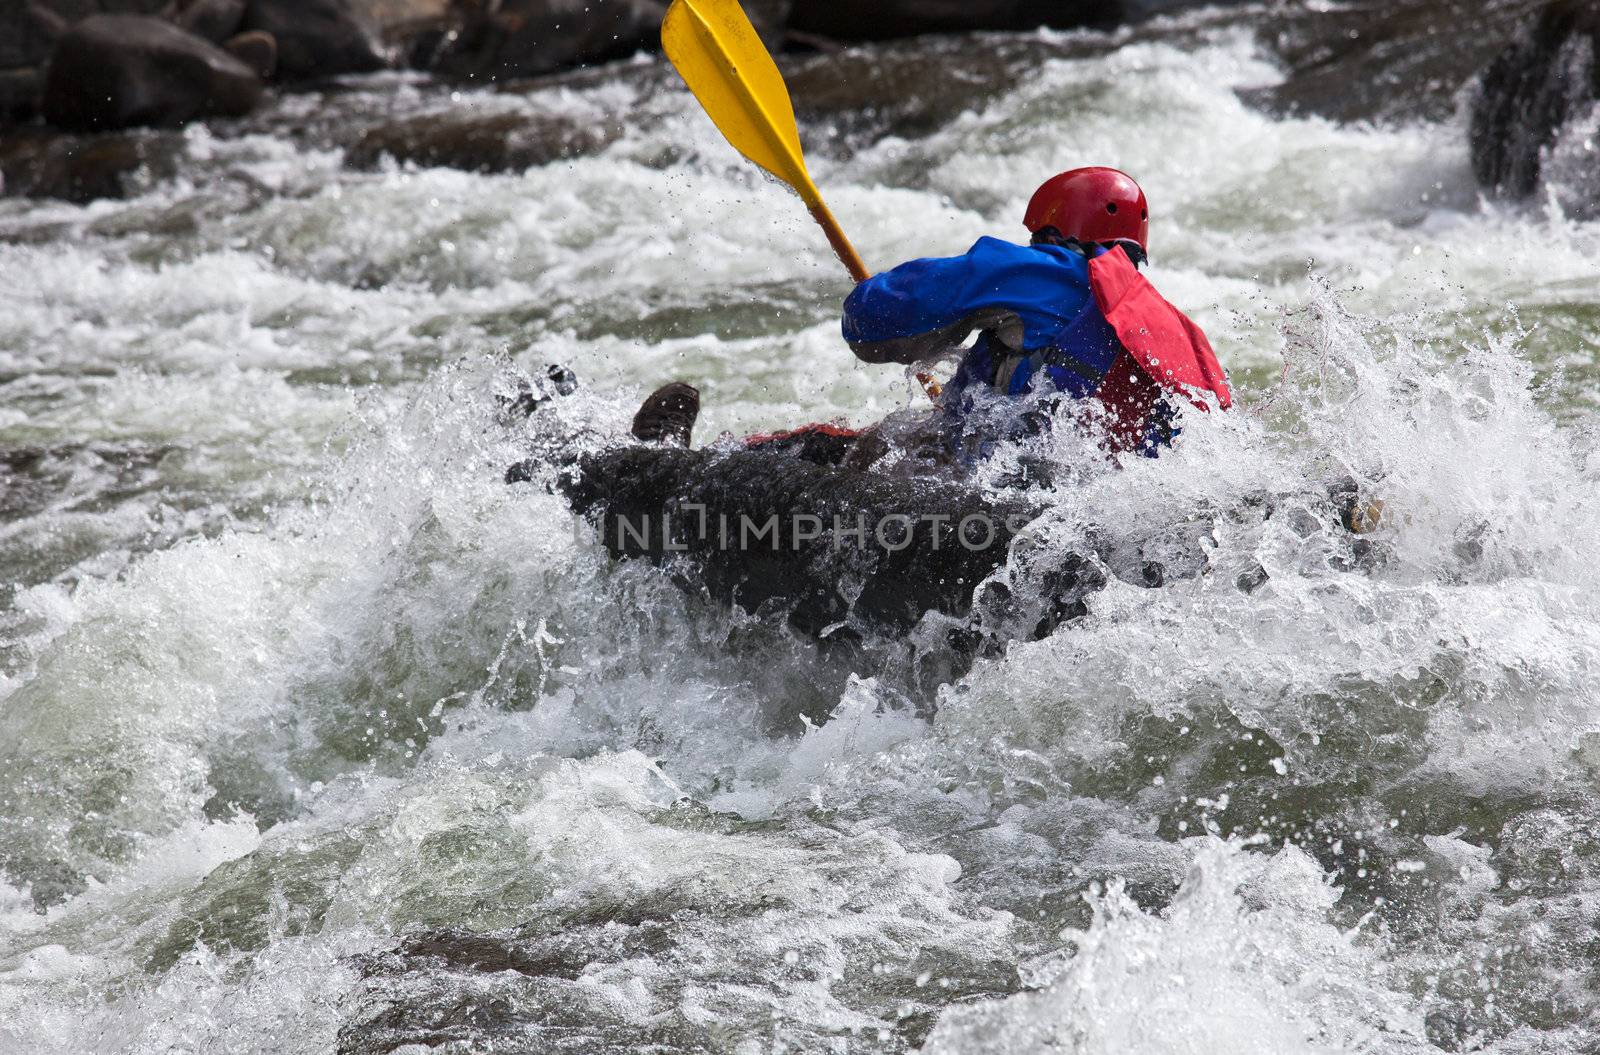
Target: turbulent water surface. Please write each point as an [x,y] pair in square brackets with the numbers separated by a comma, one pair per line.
[315,736]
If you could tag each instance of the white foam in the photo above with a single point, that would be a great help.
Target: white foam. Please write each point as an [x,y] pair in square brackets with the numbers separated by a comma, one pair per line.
[1215,974]
[448,709]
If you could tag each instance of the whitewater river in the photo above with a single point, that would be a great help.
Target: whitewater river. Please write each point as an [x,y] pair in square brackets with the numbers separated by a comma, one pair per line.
[315,736]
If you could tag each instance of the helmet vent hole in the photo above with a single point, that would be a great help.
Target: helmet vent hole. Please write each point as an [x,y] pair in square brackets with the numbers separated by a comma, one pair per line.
[1111,207]
[1144,214]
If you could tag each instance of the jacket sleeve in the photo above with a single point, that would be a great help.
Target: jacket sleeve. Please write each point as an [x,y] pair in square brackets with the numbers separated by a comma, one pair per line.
[925,308]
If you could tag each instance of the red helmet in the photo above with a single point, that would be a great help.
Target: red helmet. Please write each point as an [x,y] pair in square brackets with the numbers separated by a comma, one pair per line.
[1091,205]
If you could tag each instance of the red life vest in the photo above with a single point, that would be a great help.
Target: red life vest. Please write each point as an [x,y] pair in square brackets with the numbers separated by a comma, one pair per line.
[1165,351]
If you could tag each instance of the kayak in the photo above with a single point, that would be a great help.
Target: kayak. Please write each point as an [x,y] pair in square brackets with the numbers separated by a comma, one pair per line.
[832,550]
[783,527]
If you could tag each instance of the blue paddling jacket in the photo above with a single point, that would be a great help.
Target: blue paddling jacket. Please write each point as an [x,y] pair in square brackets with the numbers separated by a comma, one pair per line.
[1040,323]
[1072,319]
[1033,304]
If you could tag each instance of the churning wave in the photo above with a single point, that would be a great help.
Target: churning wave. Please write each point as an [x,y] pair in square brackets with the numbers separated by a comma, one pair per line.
[316,736]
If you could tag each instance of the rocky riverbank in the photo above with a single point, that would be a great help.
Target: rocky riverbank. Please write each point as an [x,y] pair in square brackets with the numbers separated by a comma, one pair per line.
[1537,114]
[133,65]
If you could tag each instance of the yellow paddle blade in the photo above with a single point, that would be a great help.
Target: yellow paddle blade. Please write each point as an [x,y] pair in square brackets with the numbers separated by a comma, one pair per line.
[722,60]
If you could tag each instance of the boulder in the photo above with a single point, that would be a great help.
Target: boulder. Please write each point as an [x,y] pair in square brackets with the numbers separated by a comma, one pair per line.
[28,33]
[255,49]
[214,20]
[771,19]
[1386,60]
[407,29]
[509,142]
[117,71]
[911,88]
[315,38]
[527,38]
[392,19]
[888,19]
[19,93]
[42,163]
[1547,77]
[29,29]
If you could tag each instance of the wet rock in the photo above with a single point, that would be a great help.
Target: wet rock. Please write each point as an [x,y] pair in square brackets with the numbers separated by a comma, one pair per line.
[453,986]
[315,38]
[19,93]
[29,29]
[1152,557]
[118,71]
[911,88]
[1361,60]
[771,19]
[50,23]
[214,20]
[27,36]
[1252,578]
[40,163]
[468,1019]
[1549,75]
[465,951]
[478,143]
[407,28]
[1383,59]
[888,19]
[1139,10]
[527,38]
[255,49]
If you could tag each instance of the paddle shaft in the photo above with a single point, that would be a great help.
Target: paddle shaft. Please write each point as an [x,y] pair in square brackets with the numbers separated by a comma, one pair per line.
[852,263]
[841,245]
[726,65]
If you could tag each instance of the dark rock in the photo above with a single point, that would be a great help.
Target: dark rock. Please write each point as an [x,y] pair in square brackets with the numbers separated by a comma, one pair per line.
[771,19]
[423,49]
[40,163]
[116,71]
[1139,10]
[19,93]
[1363,60]
[477,143]
[256,49]
[467,1020]
[1252,578]
[1391,60]
[911,88]
[1546,77]
[28,32]
[450,989]
[406,28]
[214,20]
[527,38]
[29,29]
[50,24]
[888,19]
[484,954]
[316,38]
[1383,59]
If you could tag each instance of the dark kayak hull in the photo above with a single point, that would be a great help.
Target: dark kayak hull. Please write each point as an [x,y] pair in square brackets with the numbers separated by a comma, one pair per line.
[829,548]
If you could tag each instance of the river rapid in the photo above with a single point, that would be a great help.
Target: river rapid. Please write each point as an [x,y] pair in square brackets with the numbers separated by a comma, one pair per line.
[316,736]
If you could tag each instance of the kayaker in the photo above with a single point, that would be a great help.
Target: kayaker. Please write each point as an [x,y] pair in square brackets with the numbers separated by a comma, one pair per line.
[1067,316]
